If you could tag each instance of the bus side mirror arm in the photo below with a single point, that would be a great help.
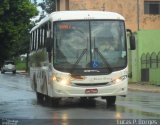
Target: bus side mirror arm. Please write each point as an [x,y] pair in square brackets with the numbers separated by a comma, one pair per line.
[132,40]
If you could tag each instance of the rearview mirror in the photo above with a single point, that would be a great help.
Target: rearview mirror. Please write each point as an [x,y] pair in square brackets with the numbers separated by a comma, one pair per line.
[132,40]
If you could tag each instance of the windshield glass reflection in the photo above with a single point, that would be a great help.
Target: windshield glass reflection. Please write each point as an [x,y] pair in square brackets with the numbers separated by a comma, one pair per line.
[80,45]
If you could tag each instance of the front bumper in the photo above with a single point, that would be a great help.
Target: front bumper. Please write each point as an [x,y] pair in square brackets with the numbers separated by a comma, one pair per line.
[120,88]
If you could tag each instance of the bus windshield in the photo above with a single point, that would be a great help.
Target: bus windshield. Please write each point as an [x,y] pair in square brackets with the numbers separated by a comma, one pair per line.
[89,46]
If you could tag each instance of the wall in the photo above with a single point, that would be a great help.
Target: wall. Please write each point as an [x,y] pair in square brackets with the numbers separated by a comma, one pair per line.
[148,42]
[132,10]
[108,5]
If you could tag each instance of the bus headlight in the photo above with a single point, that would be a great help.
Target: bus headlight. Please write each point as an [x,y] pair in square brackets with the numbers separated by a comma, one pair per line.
[65,81]
[61,79]
[117,80]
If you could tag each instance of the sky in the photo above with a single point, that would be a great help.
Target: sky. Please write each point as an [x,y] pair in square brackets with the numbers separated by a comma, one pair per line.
[39,9]
[38,1]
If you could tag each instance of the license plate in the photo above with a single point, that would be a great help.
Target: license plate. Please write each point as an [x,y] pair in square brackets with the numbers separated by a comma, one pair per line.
[90,91]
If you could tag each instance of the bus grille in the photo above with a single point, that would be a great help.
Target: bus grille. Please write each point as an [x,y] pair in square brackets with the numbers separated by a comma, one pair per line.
[91,84]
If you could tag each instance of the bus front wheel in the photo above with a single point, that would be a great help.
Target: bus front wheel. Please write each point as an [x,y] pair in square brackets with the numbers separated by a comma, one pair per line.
[52,101]
[55,101]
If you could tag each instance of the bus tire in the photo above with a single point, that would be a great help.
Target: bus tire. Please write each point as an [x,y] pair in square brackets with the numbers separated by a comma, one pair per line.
[14,72]
[44,87]
[39,97]
[111,100]
[55,101]
[34,83]
[42,99]
[87,101]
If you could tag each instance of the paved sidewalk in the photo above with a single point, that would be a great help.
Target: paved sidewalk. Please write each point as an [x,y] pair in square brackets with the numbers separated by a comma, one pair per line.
[143,87]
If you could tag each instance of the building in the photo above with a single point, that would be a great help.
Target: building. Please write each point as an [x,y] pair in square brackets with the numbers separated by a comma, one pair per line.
[144,62]
[139,14]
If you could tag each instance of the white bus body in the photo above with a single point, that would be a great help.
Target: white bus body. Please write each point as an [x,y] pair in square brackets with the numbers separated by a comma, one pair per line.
[67,58]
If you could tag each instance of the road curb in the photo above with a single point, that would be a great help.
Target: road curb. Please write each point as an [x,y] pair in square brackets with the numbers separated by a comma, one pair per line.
[22,72]
[144,87]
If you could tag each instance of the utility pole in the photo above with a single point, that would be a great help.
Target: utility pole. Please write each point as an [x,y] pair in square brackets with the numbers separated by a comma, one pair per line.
[103,7]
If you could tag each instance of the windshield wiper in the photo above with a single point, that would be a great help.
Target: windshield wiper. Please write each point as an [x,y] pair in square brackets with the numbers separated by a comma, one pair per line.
[103,58]
[79,58]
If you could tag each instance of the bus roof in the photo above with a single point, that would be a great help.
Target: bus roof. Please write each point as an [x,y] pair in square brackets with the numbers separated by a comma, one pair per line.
[79,15]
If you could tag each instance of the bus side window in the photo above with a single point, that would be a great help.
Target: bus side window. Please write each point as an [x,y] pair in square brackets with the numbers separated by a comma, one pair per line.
[38,30]
[37,42]
[45,34]
[49,25]
[48,30]
[34,41]
[40,38]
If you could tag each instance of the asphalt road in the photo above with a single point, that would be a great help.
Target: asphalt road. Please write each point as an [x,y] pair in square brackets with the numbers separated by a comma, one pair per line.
[18,105]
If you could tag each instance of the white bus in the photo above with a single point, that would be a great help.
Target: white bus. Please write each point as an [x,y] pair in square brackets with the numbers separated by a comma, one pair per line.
[79,54]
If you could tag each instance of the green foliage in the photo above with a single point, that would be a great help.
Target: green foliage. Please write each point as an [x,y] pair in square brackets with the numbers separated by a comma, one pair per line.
[20,63]
[14,27]
[21,66]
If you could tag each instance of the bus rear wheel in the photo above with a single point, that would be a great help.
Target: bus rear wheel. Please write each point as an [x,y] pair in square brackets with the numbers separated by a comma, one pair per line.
[39,97]
[111,100]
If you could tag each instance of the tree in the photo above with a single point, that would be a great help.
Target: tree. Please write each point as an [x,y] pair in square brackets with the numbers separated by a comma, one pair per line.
[14,25]
[48,5]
